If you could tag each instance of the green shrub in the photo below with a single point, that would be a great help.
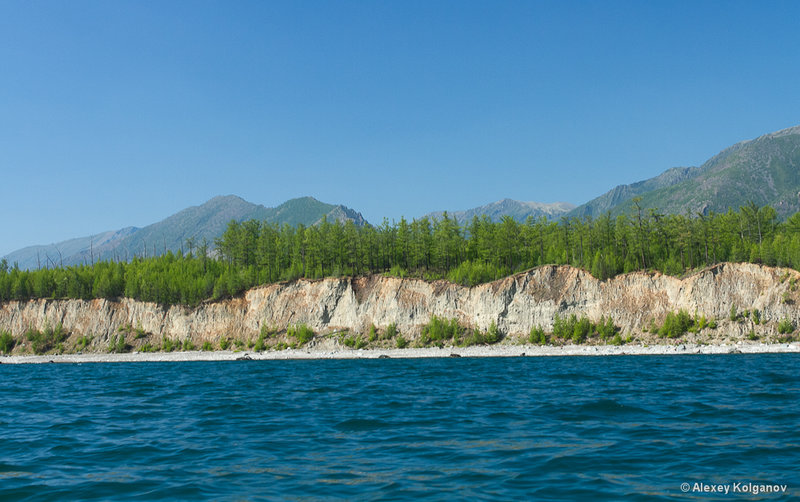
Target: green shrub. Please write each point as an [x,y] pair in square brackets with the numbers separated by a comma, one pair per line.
[147,348]
[401,342]
[207,346]
[83,342]
[471,273]
[756,316]
[439,330]
[140,333]
[300,332]
[572,328]
[562,328]
[354,342]
[699,324]
[118,344]
[188,345]
[581,330]
[492,334]
[225,343]
[267,332]
[474,338]
[785,326]
[391,331]
[167,345]
[606,328]
[752,335]
[373,333]
[617,340]
[675,325]
[733,316]
[7,342]
[537,336]
[396,271]
[261,343]
[43,341]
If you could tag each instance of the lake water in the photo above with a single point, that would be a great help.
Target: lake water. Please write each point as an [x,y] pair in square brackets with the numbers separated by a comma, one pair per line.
[555,428]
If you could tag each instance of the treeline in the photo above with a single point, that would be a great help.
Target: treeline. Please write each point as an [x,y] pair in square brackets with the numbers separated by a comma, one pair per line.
[252,253]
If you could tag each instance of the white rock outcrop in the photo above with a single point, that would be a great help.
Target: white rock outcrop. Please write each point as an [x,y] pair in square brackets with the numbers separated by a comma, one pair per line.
[516,304]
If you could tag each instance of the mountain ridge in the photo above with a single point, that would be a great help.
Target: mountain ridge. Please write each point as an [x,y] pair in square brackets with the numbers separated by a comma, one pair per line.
[763,170]
[519,210]
[205,221]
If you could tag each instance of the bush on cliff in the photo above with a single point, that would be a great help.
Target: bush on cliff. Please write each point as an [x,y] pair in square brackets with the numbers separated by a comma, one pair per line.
[300,332]
[785,326]
[438,330]
[7,342]
[46,340]
[676,324]
[390,331]
[537,336]
[401,342]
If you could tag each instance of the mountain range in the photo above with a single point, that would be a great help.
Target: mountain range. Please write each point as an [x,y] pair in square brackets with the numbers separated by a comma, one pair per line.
[518,210]
[765,170]
[205,222]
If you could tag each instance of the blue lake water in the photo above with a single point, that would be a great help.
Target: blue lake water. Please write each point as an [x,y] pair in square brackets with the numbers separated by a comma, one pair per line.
[556,428]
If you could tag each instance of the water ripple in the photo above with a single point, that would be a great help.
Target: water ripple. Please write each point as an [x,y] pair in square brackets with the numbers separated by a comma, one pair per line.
[561,428]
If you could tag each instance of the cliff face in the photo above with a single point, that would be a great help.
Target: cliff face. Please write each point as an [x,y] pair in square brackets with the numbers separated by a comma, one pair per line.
[516,304]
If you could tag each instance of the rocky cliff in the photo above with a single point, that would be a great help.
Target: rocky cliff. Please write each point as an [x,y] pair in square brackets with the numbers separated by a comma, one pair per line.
[516,304]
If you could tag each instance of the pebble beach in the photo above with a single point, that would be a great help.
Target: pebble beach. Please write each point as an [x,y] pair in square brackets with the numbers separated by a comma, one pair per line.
[474,351]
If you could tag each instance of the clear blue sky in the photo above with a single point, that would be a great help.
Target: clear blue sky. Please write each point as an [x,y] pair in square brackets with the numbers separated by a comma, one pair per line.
[117,113]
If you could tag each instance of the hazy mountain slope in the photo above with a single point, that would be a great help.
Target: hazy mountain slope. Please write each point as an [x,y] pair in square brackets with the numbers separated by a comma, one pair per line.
[614,199]
[53,254]
[514,208]
[765,170]
[206,221]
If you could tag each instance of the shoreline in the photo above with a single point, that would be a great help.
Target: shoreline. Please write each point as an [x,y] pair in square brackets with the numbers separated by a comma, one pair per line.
[409,353]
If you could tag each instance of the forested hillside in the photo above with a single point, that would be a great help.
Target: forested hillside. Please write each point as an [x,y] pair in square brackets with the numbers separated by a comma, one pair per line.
[253,253]
[765,170]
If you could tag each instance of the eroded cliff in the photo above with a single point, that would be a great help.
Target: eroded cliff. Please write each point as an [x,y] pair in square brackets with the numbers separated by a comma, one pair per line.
[516,304]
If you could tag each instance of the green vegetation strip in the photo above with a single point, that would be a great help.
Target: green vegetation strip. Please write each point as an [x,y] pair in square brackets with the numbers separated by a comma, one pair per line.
[254,253]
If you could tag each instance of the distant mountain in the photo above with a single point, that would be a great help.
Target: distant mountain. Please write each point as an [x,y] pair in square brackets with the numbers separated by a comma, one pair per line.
[765,170]
[614,199]
[514,208]
[207,221]
[54,254]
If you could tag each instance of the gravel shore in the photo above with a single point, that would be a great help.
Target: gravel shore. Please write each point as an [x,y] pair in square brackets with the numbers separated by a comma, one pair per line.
[475,351]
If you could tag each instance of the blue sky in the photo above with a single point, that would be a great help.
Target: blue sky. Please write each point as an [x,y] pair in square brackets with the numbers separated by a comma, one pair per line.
[117,113]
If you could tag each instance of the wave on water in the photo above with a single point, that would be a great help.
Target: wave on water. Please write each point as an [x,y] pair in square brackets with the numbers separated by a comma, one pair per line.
[603,428]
